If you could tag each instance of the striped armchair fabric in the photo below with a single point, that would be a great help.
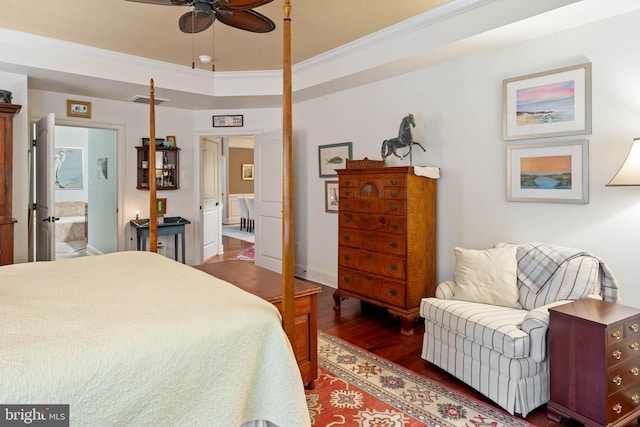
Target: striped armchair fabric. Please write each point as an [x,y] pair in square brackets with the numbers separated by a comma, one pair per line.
[501,351]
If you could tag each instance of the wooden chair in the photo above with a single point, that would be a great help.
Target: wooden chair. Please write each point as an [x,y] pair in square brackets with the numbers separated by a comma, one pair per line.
[244,213]
[251,222]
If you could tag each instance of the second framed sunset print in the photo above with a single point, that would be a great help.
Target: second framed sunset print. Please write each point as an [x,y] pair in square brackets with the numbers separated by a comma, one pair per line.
[551,103]
[551,172]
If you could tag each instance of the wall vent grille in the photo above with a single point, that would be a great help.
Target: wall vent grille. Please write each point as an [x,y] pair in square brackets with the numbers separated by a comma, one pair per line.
[145,99]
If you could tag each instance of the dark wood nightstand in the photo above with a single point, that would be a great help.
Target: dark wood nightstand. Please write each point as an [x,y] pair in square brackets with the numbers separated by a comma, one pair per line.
[594,363]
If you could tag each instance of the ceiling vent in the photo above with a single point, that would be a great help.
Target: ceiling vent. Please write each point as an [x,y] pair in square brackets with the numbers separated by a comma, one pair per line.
[145,99]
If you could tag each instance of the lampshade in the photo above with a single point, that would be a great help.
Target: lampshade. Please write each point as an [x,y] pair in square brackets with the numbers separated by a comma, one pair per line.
[629,173]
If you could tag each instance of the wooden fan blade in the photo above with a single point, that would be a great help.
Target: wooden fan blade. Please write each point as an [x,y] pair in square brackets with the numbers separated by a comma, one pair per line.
[192,22]
[248,20]
[164,2]
[242,4]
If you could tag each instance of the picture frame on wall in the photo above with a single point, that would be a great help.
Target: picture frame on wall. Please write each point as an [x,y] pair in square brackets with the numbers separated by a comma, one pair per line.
[547,104]
[332,157]
[69,167]
[331,196]
[233,120]
[555,172]
[80,109]
[247,171]
[161,206]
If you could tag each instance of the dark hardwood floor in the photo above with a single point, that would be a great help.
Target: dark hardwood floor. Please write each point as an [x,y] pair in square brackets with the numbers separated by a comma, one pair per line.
[373,329]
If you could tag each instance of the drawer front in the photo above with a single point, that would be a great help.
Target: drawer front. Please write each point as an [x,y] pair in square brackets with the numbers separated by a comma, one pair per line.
[620,352]
[393,207]
[372,262]
[623,330]
[397,181]
[623,375]
[391,193]
[373,222]
[622,403]
[371,286]
[395,244]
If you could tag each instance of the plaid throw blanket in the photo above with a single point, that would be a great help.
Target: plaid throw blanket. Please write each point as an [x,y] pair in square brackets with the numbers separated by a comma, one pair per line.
[537,263]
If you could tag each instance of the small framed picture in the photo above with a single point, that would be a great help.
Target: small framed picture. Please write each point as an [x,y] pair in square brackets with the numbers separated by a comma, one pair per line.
[247,171]
[170,141]
[161,206]
[556,172]
[331,195]
[546,104]
[228,121]
[78,109]
[332,157]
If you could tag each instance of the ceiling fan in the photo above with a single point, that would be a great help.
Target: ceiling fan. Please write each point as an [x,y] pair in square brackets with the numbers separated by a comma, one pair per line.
[235,13]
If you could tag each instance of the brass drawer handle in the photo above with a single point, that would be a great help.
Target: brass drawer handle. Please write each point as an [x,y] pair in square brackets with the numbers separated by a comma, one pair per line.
[617,408]
[635,371]
[634,327]
[347,205]
[347,182]
[346,237]
[393,292]
[635,398]
[394,208]
[394,194]
[368,255]
[347,257]
[393,244]
[394,225]
[617,354]
[369,235]
[369,203]
[634,346]
[347,192]
[347,219]
[617,380]
[394,267]
[394,181]
[616,335]
[368,218]
[346,279]
[368,276]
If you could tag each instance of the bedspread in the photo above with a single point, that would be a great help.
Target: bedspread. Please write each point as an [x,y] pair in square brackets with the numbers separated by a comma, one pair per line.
[135,339]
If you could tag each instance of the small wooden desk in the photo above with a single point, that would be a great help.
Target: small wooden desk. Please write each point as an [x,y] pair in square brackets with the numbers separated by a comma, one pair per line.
[173,225]
[267,285]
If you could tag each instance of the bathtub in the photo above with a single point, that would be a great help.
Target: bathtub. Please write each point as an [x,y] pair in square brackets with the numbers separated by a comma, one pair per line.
[71,228]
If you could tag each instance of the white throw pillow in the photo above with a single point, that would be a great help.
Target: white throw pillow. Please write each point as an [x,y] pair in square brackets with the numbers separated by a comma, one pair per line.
[488,276]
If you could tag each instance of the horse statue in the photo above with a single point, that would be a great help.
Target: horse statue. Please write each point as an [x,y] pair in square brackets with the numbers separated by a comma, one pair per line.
[404,139]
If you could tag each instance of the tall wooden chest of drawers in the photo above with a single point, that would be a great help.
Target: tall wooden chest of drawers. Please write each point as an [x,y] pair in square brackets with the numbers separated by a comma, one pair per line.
[7,112]
[594,363]
[387,240]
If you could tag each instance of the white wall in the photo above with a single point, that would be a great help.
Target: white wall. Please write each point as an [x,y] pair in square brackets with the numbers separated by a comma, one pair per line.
[457,106]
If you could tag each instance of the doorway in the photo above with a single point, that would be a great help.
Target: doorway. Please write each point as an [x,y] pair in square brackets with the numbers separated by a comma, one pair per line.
[221,156]
[85,191]
[84,188]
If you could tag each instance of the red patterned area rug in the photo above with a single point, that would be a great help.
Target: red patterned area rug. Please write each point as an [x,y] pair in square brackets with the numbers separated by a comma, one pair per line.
[247,254]
[357,388]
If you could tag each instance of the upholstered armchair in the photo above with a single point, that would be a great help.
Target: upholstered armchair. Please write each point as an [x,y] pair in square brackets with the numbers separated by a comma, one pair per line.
[489,327]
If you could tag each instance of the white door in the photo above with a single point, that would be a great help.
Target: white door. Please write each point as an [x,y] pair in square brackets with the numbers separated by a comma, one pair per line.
[267,153]
[211,197]
[45,191]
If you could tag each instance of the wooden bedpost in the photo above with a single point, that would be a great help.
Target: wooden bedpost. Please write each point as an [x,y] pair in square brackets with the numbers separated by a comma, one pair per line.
[153,226]
[288,281]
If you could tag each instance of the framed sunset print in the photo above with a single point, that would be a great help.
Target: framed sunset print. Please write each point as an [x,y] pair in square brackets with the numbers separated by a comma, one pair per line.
[548,172]
[547,104]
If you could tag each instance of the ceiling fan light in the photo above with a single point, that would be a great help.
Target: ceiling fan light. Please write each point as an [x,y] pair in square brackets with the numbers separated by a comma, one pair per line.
[205,59]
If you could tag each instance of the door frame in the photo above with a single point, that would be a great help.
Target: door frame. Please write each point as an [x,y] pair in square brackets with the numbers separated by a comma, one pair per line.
[197,173]
[120,149]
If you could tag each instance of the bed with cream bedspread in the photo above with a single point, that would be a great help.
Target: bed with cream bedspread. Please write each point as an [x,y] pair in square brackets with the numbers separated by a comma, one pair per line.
[136,339]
